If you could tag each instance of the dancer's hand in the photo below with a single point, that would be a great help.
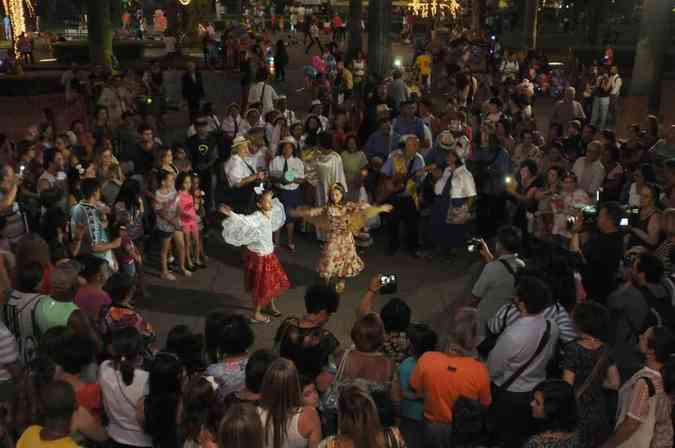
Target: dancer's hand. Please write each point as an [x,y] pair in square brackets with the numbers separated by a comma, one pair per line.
[386,208]
[225,210]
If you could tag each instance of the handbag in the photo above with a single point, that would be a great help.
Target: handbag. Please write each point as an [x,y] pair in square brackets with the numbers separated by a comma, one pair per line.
[329,401]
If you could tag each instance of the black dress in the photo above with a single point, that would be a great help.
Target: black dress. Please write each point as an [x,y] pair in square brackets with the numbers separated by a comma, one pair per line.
[594,427]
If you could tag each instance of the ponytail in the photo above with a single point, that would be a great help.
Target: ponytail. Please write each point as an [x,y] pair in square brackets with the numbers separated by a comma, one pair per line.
[127,345]
[126,368]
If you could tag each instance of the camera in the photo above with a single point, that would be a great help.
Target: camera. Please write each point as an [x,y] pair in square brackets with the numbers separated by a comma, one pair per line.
[473,245]
[389,284]
[571,220]
[629,260]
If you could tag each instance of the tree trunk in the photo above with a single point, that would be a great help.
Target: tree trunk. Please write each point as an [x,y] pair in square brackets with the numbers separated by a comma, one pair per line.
[116,14]
[355,38]
[379,37]
[652,42]
[530,24]
[478,9]
[100,32]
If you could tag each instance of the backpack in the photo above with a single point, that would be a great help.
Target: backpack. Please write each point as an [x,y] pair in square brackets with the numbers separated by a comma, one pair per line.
[11,316]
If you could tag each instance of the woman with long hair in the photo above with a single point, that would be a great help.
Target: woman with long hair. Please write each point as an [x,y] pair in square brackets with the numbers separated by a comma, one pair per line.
[123,385]
[286,422]
[158,411]
[581,357]
[359,424]
[554,408]
[200,414]
[241,428]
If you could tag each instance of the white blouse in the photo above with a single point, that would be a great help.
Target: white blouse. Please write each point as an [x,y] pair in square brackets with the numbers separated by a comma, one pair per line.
[295,166]
[463,185]
[255,230]
[237,170]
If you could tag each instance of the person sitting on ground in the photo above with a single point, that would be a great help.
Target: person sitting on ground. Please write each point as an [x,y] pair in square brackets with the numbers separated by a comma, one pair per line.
[256,368]
[554,408]
[236,337]
[360,425]
[304,340]
[59,405]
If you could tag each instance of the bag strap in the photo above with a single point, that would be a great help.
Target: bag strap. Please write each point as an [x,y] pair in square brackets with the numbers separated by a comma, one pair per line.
[343,364]
[597,368]
[508,267]
[542,343]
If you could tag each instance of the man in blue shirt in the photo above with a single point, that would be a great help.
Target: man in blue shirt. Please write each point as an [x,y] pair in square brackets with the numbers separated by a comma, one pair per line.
[403,174]
[382,142]
[408,123]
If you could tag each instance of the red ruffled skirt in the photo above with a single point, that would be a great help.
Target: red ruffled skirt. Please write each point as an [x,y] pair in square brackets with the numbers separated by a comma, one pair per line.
[264,277]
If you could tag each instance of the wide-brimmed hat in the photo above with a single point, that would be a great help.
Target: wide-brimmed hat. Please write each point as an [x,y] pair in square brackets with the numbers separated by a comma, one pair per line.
[288,140]
[238,141]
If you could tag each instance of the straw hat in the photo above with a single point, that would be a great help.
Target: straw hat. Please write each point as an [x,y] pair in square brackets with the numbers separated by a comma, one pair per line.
[238,141]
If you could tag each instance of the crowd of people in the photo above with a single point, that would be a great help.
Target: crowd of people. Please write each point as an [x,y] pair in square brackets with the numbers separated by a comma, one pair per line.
[565,339]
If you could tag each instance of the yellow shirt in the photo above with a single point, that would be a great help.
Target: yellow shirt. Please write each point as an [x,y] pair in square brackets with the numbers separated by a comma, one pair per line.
[31,439]
[423,63]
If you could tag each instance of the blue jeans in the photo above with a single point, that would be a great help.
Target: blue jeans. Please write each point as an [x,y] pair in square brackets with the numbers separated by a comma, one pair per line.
[600,111]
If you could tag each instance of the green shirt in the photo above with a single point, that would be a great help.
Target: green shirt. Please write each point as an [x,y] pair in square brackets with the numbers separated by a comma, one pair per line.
[51,313]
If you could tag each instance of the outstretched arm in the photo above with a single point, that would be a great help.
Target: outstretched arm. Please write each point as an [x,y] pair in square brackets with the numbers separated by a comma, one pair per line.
[306,212]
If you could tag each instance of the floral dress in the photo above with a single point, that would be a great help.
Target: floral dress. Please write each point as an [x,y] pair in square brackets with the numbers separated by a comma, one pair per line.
[339,257]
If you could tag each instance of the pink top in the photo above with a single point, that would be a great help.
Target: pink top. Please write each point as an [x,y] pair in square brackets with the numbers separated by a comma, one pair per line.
[90,300]
[188,214]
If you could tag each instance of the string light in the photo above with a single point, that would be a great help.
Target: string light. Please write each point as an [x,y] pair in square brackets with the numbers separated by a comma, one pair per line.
[429,8]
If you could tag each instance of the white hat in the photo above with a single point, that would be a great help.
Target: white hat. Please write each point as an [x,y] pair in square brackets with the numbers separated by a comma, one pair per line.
[316,103]
[238,141]
[288,139]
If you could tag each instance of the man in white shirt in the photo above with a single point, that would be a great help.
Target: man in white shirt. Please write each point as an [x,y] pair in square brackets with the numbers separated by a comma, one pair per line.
[518,361]
[589,169]
[263,93]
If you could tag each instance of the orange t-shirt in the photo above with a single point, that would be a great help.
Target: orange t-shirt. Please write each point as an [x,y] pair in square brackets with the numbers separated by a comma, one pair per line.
[441,379]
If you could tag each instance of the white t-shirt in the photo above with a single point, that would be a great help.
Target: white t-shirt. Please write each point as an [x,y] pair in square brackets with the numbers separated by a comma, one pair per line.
[120,403]
[295,166]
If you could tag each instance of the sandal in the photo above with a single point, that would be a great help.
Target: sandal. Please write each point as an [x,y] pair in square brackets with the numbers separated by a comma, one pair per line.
[254,321]
[186,273]
[168,276]
[291,247]
[273,313]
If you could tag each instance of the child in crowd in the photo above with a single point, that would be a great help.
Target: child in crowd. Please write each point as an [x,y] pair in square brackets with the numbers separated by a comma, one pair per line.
[198,197]
[181,160]
[310,395]
[188,217]
[127,254]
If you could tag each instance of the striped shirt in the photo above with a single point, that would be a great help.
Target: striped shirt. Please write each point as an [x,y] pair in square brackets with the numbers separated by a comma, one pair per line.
[509,313]
[9,353]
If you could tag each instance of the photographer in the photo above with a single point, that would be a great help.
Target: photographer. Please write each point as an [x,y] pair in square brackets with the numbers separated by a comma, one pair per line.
[600,255]
[496,285]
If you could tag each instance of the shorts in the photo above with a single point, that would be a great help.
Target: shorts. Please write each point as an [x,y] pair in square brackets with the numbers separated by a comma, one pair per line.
[164,235]
[128,268]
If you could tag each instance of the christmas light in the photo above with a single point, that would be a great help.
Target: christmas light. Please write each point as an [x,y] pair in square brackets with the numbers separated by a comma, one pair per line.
[429,8]
[16,10]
